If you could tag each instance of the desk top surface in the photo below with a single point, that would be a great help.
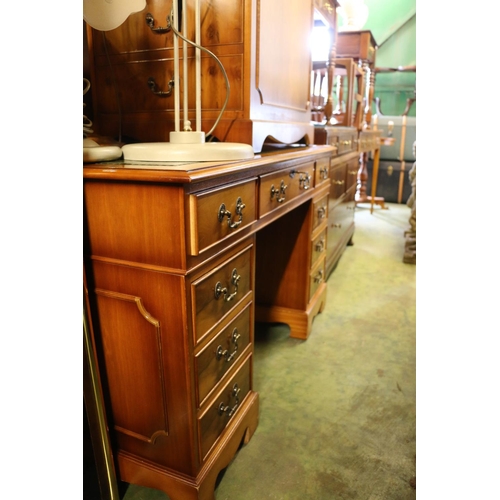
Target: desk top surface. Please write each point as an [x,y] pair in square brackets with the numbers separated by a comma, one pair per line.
[193,172]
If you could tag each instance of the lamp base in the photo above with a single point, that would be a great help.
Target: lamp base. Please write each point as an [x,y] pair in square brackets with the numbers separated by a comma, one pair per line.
[188,152]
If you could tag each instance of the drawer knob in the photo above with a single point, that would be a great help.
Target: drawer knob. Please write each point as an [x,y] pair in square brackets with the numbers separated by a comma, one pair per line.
[226,213]
[219,353]
[219,290]
[150,21]
[279,193]
[161,93]
[223,408]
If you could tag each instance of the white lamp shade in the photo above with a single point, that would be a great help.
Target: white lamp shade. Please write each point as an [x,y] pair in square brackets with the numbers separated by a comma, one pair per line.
[105,15]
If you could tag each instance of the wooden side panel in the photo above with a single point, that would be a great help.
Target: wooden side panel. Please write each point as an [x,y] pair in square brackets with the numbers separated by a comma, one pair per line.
[132,346]
[144,349]
[136,222]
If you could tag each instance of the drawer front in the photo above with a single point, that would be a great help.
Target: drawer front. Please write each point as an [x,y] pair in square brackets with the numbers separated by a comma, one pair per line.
[224,406]
[279,187]
[322,171]
[222,353]
[338,181]
[352,173]
[217,214]
[316,277]
[320,211]
[145,79]
[346,143]
[340,219]
[216,293]
[318,247]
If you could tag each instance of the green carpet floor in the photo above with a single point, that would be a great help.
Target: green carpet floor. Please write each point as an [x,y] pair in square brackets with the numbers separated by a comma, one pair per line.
[338,411]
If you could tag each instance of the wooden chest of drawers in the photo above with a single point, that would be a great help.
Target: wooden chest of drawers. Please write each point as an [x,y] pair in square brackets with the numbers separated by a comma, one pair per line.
[176,283]
[267,65]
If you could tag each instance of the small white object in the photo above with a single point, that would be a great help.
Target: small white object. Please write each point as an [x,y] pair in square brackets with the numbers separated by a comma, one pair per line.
[106,15]
[93,152]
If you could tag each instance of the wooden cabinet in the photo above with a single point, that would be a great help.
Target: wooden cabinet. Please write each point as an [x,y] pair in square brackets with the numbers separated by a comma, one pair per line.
[178,270]
[262,44]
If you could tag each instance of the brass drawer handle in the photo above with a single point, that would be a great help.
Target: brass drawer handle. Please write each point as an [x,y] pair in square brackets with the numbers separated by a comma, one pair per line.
[340,183]
[279,193]
[319,277]
[161,93]
[226,213]
[321,212]
[323,173]
[223,408]
[304,179]
[320,246]
[337,226]
[219,290]
[352,172]
[219,353]
[150,21]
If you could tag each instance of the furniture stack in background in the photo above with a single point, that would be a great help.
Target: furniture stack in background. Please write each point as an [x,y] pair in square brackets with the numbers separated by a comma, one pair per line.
[396,160]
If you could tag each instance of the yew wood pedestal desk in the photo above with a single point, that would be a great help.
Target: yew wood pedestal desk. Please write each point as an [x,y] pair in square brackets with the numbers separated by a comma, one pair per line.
[180,261]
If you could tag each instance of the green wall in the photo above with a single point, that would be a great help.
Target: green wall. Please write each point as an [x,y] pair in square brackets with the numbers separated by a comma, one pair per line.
[393,25]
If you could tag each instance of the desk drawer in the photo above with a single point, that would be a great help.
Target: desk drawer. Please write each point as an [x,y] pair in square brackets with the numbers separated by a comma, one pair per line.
[279,187]
[316,277]
[320,211]
[219,213]
[318,247]
[222,409]
[321,173]
[220,290]
[222,353]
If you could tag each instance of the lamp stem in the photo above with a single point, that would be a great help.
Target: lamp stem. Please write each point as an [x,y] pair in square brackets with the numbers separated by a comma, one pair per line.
[185,64]
[198,65]
[176,70]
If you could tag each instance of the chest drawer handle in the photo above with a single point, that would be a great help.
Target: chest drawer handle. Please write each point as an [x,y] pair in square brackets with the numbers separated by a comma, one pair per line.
[226,213]
[219,290]
[225,353]
[150,21]
[321,212]
[319,277]
[339,183]
[353,172]
[279,192]
[320,245]
[304,179]
[160,93]
[323,173]
[223,408]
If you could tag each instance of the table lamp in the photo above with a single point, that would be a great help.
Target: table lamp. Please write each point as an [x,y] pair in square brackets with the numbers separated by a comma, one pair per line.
[186,145]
